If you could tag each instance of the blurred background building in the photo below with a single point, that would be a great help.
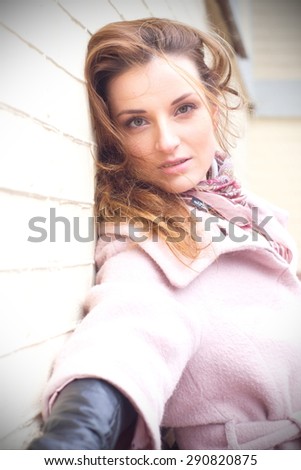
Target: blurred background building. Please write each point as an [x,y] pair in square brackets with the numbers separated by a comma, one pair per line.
[266,37]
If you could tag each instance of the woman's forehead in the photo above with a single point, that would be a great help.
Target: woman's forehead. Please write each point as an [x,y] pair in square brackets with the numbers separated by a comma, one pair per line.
[159,77]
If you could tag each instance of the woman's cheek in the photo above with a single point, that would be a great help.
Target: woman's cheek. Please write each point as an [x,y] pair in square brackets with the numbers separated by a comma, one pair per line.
[134,146]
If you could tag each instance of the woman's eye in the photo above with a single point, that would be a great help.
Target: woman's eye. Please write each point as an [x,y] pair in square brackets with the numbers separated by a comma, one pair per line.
[185,108]
[136,122]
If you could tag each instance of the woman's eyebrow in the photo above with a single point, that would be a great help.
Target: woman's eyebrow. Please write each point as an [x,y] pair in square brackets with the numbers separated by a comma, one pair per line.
[131,111]
[182,97]
[142,111]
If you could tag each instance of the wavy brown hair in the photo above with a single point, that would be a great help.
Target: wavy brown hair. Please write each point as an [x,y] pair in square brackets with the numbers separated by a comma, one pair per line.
[113,50]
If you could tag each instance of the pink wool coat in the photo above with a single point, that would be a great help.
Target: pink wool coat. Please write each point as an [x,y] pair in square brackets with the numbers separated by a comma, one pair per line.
[211,348]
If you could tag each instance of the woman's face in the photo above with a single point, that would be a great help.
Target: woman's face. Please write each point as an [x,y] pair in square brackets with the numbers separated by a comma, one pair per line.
[168,130]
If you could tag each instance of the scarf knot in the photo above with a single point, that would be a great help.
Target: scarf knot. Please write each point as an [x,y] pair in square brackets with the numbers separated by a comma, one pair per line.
[221,180]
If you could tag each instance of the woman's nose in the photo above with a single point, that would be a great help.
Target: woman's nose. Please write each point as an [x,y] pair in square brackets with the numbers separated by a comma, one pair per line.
[167,140]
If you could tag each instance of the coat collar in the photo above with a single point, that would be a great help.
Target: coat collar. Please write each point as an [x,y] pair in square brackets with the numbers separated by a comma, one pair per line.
[181,271]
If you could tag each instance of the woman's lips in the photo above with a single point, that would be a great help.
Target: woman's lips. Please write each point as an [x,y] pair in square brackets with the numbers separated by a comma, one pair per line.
[175,166]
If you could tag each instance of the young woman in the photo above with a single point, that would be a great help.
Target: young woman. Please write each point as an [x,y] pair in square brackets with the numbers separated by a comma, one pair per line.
[194,322]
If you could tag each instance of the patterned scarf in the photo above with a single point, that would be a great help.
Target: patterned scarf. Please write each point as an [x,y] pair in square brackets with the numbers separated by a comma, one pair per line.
[221,180]
[220,192]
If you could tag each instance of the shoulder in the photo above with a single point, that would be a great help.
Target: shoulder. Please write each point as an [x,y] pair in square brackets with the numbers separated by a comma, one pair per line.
[267,207]
[277,227]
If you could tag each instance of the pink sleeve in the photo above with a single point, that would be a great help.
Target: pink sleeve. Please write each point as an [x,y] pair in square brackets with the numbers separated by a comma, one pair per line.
[136,335]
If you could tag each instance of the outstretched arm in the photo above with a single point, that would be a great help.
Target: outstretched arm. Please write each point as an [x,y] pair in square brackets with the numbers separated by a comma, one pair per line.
[87,414]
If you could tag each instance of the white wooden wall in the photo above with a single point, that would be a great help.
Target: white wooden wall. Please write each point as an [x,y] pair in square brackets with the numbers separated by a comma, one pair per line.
[46,171]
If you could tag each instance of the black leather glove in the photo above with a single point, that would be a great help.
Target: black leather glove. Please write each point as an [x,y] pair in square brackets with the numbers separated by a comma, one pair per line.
[87,414]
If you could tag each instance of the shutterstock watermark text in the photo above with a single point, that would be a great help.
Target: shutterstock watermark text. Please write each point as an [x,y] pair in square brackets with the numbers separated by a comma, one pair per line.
[140,229]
